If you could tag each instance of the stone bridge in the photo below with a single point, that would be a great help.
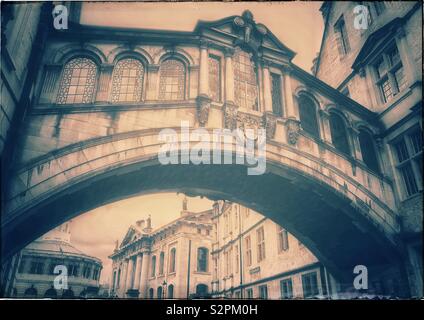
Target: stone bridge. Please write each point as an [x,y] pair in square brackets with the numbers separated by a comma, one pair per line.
[72,158]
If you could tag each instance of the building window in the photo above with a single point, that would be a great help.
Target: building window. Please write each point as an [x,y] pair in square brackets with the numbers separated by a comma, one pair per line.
[127,81]
[409,156]
[286,289]
[308,115]
[171,291]
[245,81]
[277,106]
[260,236]
[151,293]
[283,240]
[73,270]
[369,156]
[22,265]
[161,262]
[87,272]
[341,37]
[249,293]
[172,258]
[153,273]
[172,80]
[37,267]
[379,7]
[310,285]
[202,259]
[215,78]
[339,134]
[78,82]
[390,74]
[159,292]
[248,245]
[263,292]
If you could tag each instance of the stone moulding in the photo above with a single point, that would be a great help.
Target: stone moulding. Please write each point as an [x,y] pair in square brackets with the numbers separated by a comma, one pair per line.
[293,128]
[203,106]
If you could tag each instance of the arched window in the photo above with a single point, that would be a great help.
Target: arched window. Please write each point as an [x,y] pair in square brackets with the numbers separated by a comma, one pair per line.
[161,262]
[245,81]
[171,291]
[202,259]
[153,266]
[172,257]
[172,80]
[68,294]
[368,150]
[50,293]
[159,292]
[151,293]
[31,292]
[201,290]
[308,115]
[78,81]
[339,134]
[127,81]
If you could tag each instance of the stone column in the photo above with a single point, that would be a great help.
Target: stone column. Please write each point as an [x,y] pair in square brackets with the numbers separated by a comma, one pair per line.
[144,274]
[204,69]
[105,79]
[292,122]
[152,84]
[267,87]
[123,281]
[229,76]
[130,272]
[51,83]
[325,121]
[356,152]
[136,284]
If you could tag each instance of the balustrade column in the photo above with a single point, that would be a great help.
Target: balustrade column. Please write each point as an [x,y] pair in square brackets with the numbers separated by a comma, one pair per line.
[105,79]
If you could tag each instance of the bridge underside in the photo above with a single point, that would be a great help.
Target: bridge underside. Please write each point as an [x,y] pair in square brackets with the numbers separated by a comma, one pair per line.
[325,221]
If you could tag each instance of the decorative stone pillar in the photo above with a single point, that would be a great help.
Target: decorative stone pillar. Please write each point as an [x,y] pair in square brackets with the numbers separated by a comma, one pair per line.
[325,121]
[354,138]
[50,83]
[267,87]
[152,87]
[229,76]
[130,272]
[123,281]
[144,274]
[292,122]
[104,83]
[136,284]
[204,69]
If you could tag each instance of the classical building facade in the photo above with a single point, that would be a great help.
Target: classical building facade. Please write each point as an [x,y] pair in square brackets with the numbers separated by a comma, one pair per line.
[99,97]
[253,257]
[172,261]
[380,67]
[33,273]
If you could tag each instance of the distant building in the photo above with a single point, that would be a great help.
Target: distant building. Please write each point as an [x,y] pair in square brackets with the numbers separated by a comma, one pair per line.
[34,272]
[171,261]
[253,257]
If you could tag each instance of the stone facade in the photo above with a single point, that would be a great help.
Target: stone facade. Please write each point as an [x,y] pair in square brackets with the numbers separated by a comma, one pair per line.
[393,25]
[164,262]
[32,272]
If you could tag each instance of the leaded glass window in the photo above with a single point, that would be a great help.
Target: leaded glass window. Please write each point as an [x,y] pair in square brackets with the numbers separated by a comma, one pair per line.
[127,82]
[78,82]
[246,92]
[339,134]
[214,78]
[172,80]
[308,116]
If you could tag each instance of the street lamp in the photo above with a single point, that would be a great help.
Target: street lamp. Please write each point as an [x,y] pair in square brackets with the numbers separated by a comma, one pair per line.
[164,284]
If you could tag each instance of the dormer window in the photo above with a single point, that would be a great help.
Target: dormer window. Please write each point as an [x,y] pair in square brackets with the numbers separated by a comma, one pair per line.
[390,74]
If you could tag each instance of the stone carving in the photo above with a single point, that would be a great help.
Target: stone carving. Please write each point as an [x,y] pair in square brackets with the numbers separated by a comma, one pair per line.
[270,124]
[293,127]
[203,106]
[230,116]
[250,32]
[247,121]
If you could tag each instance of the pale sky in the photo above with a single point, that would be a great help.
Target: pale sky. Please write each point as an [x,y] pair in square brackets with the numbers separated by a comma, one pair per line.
[298,25]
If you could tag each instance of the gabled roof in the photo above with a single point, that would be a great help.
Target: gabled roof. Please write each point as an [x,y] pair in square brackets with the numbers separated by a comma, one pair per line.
[129,236]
